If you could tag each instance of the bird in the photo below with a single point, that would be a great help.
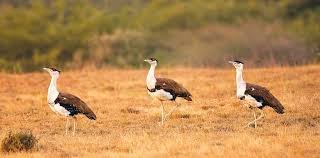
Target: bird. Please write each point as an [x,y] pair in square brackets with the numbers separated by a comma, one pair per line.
[66,104]
[164,89]
[257,97]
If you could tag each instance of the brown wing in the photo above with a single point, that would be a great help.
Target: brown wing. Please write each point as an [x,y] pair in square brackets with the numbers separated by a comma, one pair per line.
[74,105]
[173,87]
[261,94]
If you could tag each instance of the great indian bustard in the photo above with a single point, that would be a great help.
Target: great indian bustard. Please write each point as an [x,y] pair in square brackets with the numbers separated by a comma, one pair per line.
[66,104]
[164,89]
[254,94]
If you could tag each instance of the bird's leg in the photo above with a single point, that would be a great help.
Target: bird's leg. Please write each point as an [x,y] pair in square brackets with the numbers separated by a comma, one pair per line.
[74,125]
[256,119]
[261,115]
[162,114]
[248,105]
[172,110]
[67,125]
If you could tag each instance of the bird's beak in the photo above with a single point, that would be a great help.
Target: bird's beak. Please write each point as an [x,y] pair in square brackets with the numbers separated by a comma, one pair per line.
[147,60]
[231,62]
[46,69]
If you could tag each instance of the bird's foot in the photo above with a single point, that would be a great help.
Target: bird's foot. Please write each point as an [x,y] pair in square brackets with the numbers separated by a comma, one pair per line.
[252,125]
[160,123]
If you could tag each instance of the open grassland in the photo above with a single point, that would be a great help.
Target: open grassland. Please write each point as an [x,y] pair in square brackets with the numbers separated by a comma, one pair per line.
[127,119]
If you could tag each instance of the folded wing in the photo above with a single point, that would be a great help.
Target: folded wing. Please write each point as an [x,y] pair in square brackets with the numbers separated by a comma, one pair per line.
[75,105]
[261,94]
[173,88]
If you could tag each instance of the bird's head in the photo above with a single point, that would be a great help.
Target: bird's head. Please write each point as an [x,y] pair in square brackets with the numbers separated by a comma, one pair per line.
[152,61]
[53,72]
[237,64]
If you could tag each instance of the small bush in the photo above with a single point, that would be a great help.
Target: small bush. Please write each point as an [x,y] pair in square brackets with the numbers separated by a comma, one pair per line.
[16,142]
[206,107]
[184,116]
[130,110]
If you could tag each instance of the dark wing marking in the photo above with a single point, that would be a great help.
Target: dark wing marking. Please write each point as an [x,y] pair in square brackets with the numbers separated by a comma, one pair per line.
[261,94]
[74,105]
[173,88]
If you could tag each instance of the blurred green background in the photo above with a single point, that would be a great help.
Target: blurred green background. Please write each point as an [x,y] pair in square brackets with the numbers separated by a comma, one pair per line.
[121,33]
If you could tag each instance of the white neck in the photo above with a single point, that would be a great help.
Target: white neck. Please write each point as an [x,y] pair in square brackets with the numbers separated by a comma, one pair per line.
[239,78]
[52,90]
[241,84]
[151,79]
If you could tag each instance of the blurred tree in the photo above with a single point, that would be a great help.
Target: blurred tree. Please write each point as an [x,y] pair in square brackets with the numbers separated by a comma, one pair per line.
[42,32]
[62,27]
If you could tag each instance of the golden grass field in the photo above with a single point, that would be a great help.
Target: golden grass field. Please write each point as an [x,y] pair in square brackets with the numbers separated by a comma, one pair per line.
[213,125]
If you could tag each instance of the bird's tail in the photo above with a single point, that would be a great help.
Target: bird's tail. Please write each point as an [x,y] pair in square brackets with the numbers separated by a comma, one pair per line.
[279,109]
[91,115]
[277,106]
[188,98]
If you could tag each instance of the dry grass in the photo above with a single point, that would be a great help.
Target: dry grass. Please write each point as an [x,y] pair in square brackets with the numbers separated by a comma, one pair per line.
[127,119]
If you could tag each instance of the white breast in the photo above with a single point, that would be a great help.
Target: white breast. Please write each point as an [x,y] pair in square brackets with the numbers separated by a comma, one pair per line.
[161,95]
[59,109]
[253,101]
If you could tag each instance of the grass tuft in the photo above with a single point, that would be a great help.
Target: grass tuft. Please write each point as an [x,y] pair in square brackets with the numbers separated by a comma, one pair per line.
[21,141]
[184,116]
[206,107]
[130,110]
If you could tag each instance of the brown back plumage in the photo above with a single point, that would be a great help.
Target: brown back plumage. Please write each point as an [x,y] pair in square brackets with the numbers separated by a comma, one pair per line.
[76,104]
[262,94]
[173,87]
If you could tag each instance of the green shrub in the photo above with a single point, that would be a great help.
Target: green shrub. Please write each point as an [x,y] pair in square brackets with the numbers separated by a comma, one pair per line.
[21,141]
